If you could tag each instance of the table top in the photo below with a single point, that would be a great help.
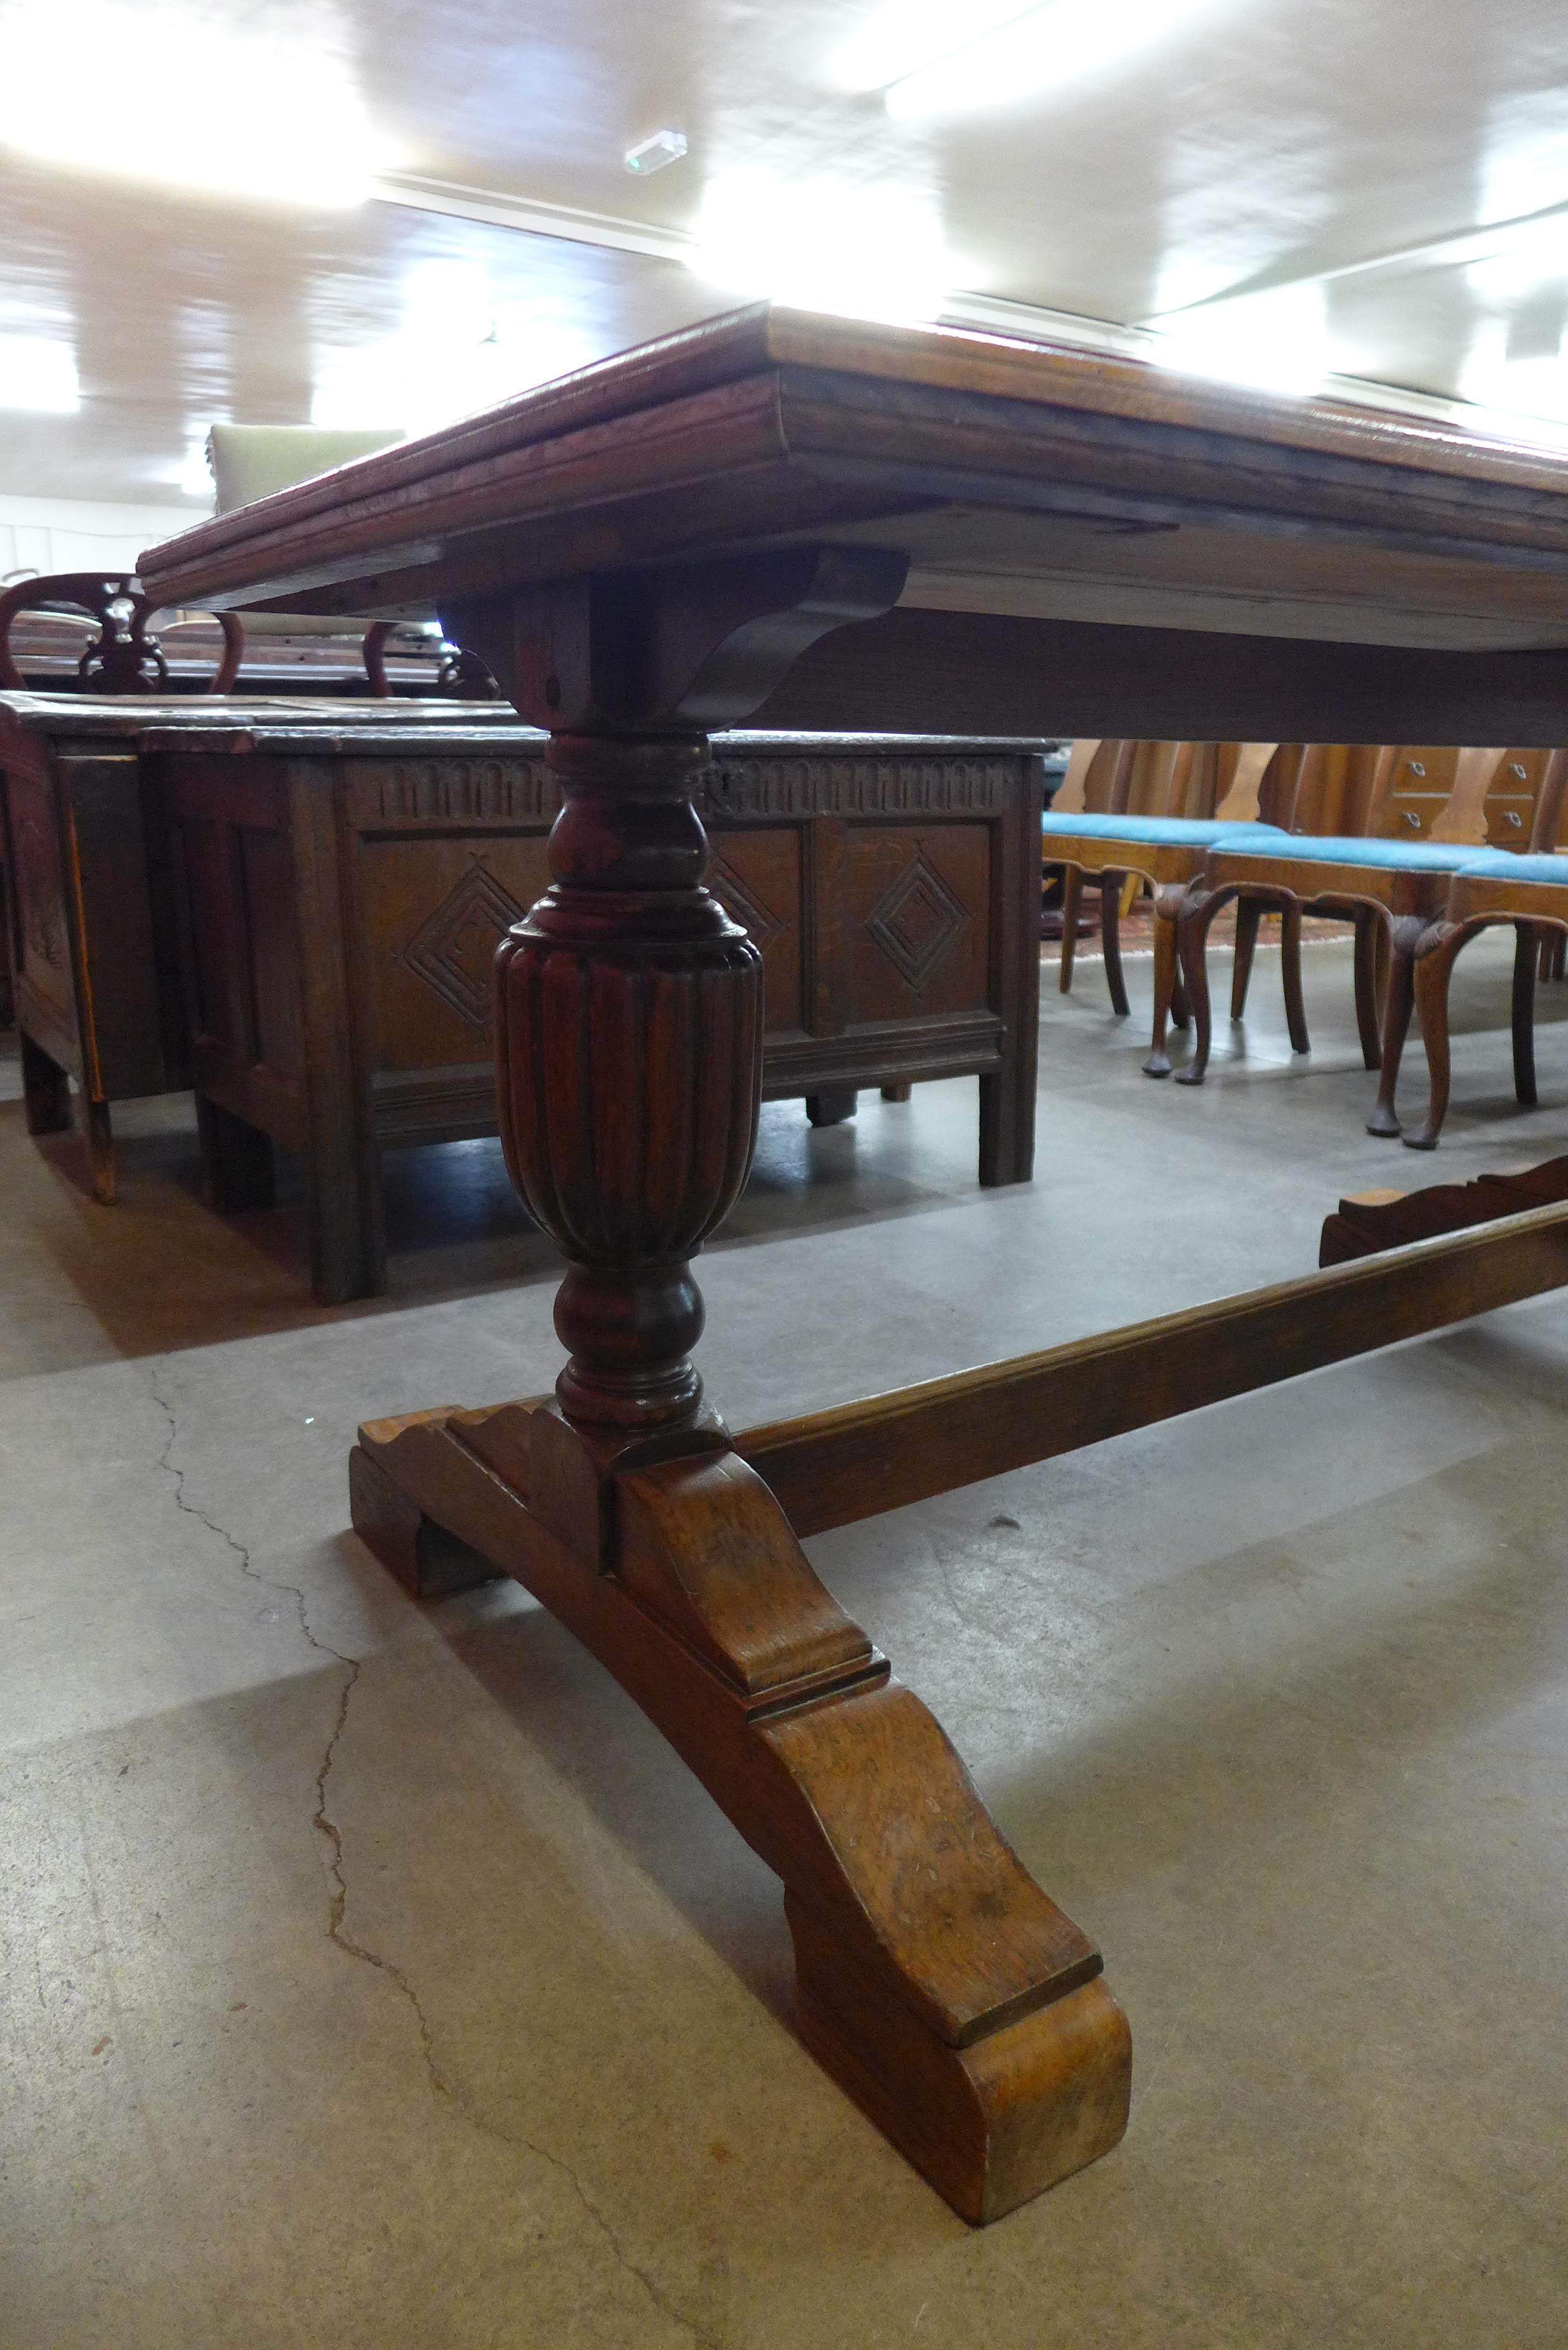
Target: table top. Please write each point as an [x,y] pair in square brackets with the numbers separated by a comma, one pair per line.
[1018,480]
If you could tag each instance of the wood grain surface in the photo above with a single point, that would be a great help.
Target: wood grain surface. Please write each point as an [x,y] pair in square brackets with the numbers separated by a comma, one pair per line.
[1001,469]
[832,1467]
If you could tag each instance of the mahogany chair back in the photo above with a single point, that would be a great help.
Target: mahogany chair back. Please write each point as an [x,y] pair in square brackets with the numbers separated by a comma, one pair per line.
[123,657]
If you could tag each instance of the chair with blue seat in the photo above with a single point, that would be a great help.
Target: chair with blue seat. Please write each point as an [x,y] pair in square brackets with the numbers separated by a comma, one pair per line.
[1097,782]
[1494,885]
[1163,844]
[1408,819]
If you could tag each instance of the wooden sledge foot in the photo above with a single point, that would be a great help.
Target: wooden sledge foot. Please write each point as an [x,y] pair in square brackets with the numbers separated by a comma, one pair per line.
[936,1983]
[989,2125]
[429,1563]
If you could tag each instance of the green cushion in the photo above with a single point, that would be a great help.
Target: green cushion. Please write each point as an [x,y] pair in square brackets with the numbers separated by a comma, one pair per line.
[255,461]
[1157,831]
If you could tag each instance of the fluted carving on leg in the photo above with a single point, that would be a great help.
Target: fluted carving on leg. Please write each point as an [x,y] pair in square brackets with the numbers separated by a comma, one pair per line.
[629,1050]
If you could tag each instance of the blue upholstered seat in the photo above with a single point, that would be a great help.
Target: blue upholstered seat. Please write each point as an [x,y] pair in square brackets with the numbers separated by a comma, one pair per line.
[1158,831]
[1502,865]
[1381,856]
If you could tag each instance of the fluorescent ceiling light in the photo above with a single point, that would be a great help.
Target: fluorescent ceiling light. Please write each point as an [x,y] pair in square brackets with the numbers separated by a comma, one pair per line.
[858,250]
[39,376]
[1015,61]
[190,94]
[656,152]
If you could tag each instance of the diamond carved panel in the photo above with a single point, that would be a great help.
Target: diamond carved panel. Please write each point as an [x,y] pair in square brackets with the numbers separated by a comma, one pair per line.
[918,923]
[761,926]
[454,947]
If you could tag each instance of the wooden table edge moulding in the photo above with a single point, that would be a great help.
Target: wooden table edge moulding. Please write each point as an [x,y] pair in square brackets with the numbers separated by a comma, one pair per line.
[805,523]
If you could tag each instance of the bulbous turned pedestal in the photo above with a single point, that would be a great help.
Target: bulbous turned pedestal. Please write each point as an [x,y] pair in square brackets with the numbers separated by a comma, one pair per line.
[628,1064]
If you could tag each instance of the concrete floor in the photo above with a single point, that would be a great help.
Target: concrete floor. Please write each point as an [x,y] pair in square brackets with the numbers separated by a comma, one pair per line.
[377,1977]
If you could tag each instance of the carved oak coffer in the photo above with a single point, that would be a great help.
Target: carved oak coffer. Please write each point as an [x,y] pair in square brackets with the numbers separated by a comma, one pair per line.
[88,919]
[340,905]
[93,964]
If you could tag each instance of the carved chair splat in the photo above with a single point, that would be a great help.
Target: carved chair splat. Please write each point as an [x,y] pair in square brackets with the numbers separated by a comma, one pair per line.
[124,657]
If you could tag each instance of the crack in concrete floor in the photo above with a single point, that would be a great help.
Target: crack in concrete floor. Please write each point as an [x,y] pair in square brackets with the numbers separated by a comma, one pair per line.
[337,1931]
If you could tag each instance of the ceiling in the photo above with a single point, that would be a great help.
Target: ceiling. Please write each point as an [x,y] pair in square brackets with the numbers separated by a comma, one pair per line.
[1222,149]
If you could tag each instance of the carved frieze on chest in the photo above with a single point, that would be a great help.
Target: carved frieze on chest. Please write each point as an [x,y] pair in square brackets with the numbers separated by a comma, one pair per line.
[459,791]
[925,786]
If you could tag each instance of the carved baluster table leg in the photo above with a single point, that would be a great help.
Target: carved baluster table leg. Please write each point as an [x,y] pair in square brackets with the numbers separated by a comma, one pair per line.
[936,1981]
[629,1053]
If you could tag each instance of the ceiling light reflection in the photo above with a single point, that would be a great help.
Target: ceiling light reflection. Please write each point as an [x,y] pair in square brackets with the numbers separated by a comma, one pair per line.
[1533,255]
[39,376]
[459,349]
[1037,51]
[192,474]
[1275,342]
[1524,159]
[853,249]
[191,94]
[903,35]
[1527,397]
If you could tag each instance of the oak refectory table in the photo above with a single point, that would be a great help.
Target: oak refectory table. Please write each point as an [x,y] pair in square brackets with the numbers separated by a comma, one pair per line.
[792,522]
